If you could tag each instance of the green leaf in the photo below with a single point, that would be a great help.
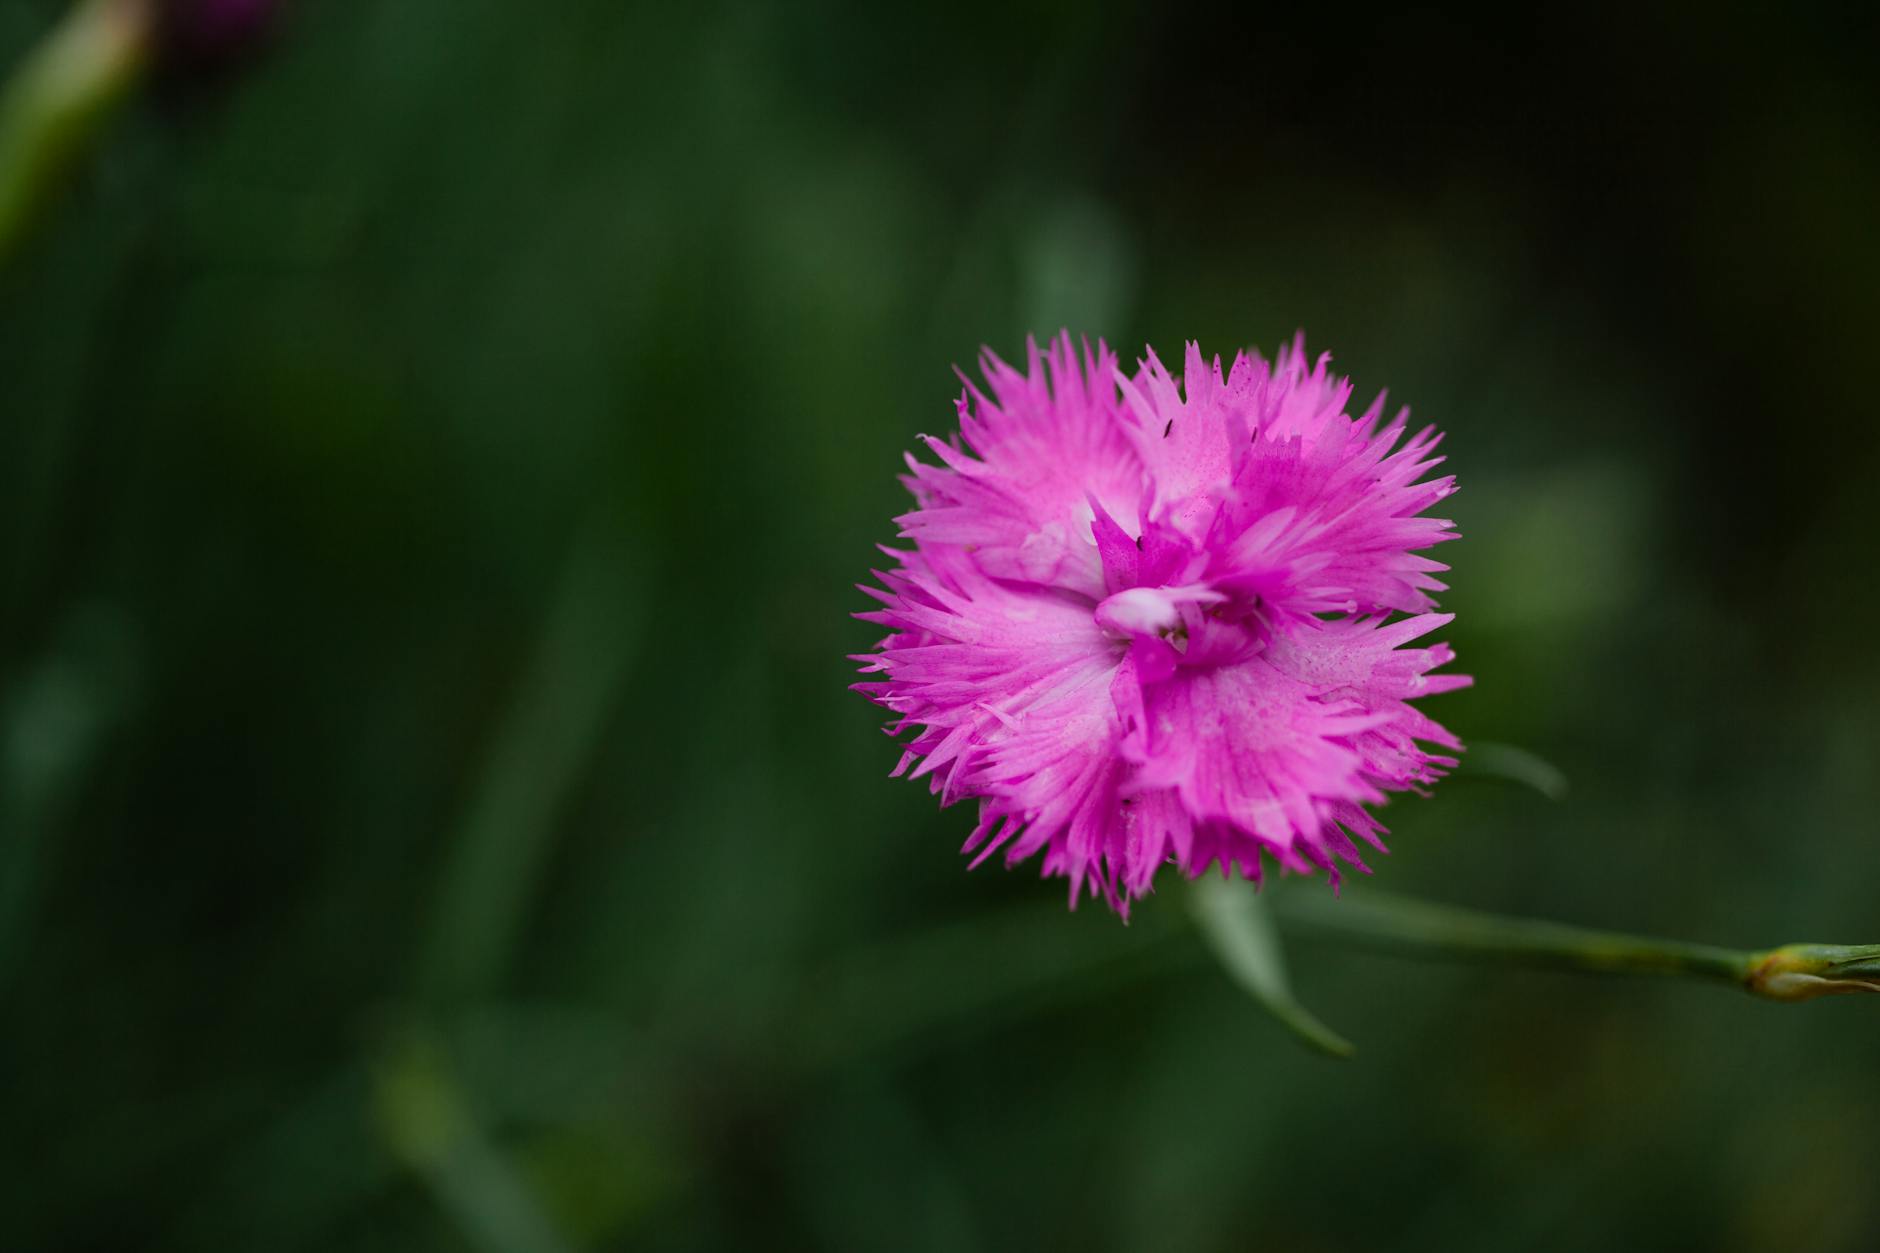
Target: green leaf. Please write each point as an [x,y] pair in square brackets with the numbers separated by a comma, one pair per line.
[426,1120]
[1516,765]
[1236,923]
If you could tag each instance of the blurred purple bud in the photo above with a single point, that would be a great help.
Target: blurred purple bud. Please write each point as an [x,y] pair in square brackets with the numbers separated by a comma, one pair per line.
[200,37]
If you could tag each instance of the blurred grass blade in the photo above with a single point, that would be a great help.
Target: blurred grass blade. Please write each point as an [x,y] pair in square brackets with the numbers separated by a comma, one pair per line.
[539,753]
[299,1178]
[55,721]
[903,992]
[430,1127]
[1234,919]
[1079,269]
[1515,765]
[55,101]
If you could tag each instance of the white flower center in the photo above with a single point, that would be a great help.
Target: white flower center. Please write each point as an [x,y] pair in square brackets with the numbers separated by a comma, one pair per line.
[1153,610]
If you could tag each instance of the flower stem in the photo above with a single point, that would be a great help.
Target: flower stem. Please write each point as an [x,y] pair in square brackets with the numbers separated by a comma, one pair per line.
[1393,924]
[55,100]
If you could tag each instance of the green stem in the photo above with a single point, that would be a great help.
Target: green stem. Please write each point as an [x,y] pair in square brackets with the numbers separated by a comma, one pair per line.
[1393,924]
[54,101]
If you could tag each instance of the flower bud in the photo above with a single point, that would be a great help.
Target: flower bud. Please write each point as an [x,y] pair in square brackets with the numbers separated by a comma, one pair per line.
[1802,972]
[209,37]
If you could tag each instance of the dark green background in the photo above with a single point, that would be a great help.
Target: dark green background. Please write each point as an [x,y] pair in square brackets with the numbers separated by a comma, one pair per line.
[433,466]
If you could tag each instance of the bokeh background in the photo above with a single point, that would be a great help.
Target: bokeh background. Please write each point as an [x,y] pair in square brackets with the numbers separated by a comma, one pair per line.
[436,450]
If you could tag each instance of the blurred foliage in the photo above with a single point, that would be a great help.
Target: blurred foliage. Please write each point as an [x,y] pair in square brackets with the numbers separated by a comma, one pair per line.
[433,469]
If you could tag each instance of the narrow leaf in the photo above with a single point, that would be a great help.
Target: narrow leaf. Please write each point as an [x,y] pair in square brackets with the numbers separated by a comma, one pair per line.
[1235,921]
[1516,765]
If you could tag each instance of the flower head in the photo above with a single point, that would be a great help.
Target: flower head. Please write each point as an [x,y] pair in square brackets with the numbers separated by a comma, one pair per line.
[1147,620]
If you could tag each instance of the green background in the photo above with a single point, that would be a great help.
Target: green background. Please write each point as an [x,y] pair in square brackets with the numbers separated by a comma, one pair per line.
[434,462]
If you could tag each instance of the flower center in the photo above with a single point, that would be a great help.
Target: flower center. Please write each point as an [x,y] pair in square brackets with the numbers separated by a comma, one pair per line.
[1164,613]
[1140,611]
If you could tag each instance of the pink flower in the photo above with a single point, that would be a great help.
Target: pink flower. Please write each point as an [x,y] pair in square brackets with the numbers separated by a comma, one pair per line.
[1148,620]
